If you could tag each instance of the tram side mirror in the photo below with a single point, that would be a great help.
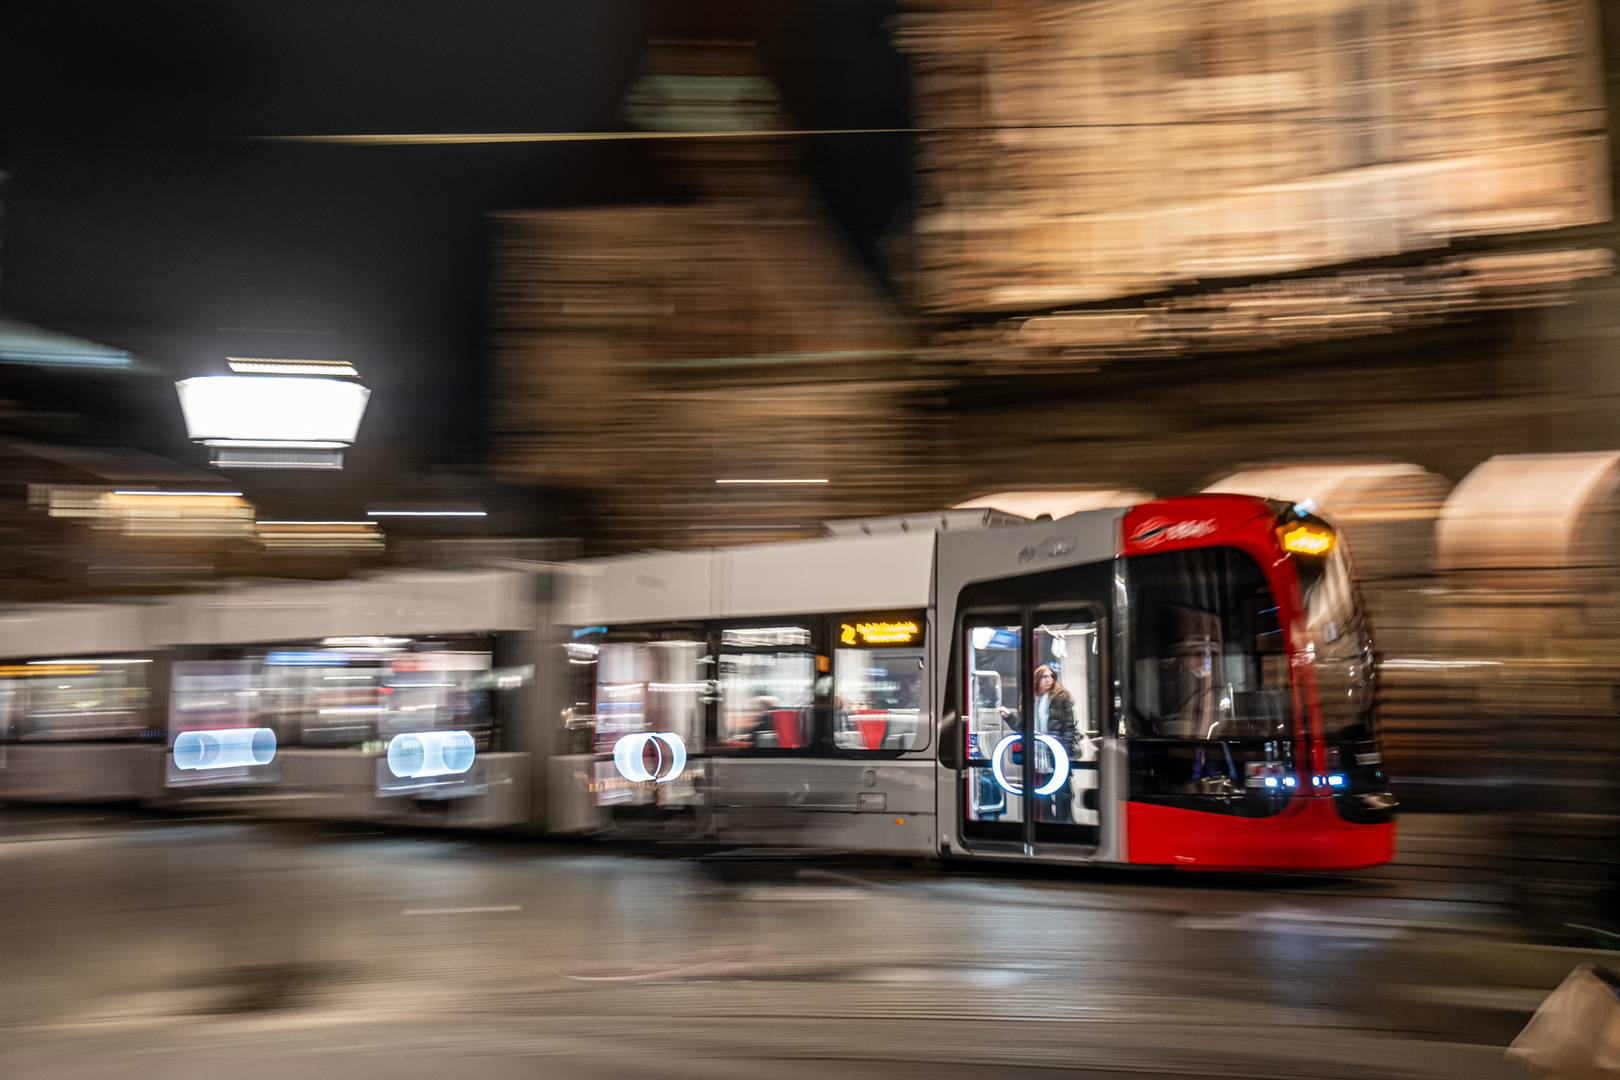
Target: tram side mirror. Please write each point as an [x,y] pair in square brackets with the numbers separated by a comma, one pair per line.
[950,741]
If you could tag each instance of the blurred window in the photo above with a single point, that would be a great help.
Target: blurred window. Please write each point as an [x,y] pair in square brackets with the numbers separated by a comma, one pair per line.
[74,701]
[207,694]
[876,697]
[1207,658]
[321,705]
[994,687]
[767,694]
[13,696]
[1340,644]
[437,691]
[646,686]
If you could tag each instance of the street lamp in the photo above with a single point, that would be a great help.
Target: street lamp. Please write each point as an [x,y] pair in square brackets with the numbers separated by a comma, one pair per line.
[274,421]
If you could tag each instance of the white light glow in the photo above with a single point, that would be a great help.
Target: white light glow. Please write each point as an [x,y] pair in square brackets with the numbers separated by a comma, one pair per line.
[274,444]
[426,513]
[1059,774]
[221,494]
[60,663]
[362,642]
[419,754]
[773,481]
[628,753]
[279,408]
[224,748]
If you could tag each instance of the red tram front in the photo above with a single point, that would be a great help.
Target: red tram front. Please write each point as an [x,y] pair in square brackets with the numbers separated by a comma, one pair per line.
[1204,699]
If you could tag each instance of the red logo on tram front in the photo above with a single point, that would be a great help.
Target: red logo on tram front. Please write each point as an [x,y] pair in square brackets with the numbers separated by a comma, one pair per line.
[1155,531]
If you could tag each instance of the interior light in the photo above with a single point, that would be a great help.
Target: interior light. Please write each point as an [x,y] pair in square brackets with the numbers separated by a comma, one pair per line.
[1306,539]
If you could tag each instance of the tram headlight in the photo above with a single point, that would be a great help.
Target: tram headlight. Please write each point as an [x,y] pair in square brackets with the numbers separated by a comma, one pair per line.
[417,754]
[1307,538]
[224,748]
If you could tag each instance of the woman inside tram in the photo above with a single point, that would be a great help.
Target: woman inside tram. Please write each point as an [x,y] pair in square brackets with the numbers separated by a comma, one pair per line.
[1054,716]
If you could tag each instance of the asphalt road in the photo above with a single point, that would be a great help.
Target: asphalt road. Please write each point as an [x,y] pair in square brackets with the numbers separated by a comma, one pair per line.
[144,946]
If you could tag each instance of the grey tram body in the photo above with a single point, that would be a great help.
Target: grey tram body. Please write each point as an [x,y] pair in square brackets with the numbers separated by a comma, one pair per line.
[906,803]
[909,803]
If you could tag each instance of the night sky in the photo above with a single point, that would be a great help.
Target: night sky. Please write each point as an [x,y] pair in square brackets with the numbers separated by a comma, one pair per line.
[142,212]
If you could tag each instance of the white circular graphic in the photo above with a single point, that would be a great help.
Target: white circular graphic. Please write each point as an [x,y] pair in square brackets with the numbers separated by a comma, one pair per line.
[1059,774]
[628,753]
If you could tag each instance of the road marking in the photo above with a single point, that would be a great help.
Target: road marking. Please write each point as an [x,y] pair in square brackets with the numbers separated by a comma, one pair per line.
[460,910]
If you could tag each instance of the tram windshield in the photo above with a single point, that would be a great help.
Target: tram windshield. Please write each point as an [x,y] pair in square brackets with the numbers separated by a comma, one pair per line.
[1207,650]
[1341,645]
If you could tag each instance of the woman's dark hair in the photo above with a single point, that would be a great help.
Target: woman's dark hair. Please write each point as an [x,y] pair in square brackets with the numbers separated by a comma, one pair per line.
[1059,692]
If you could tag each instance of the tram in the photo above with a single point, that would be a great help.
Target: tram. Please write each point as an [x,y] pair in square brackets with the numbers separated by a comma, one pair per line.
[1184,682]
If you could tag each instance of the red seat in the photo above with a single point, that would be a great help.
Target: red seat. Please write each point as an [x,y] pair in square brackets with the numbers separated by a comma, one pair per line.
[786,724]
[871,723]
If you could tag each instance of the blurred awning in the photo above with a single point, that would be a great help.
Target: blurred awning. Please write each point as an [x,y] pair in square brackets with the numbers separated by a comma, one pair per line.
[1532,512]
[1345,492]
[22,343]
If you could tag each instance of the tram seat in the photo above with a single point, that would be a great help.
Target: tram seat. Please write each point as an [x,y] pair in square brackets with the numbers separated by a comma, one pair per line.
[871,724]
[785,722]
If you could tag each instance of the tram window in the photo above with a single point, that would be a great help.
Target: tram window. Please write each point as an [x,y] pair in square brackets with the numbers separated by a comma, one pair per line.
[1207,658]
[650,686]
[316,705]
[876,694]
[12,694]
[59,702]
[767,698]
[1341,644]
[207,694]
[994,676]
[437,691]
[1068,652]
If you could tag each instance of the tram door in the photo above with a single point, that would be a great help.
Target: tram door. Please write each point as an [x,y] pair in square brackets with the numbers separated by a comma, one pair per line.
[1033,703]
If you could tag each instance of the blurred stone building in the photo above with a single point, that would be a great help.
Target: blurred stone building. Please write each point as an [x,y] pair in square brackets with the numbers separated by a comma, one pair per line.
[651,356]
[1153,243]
[1179,236]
